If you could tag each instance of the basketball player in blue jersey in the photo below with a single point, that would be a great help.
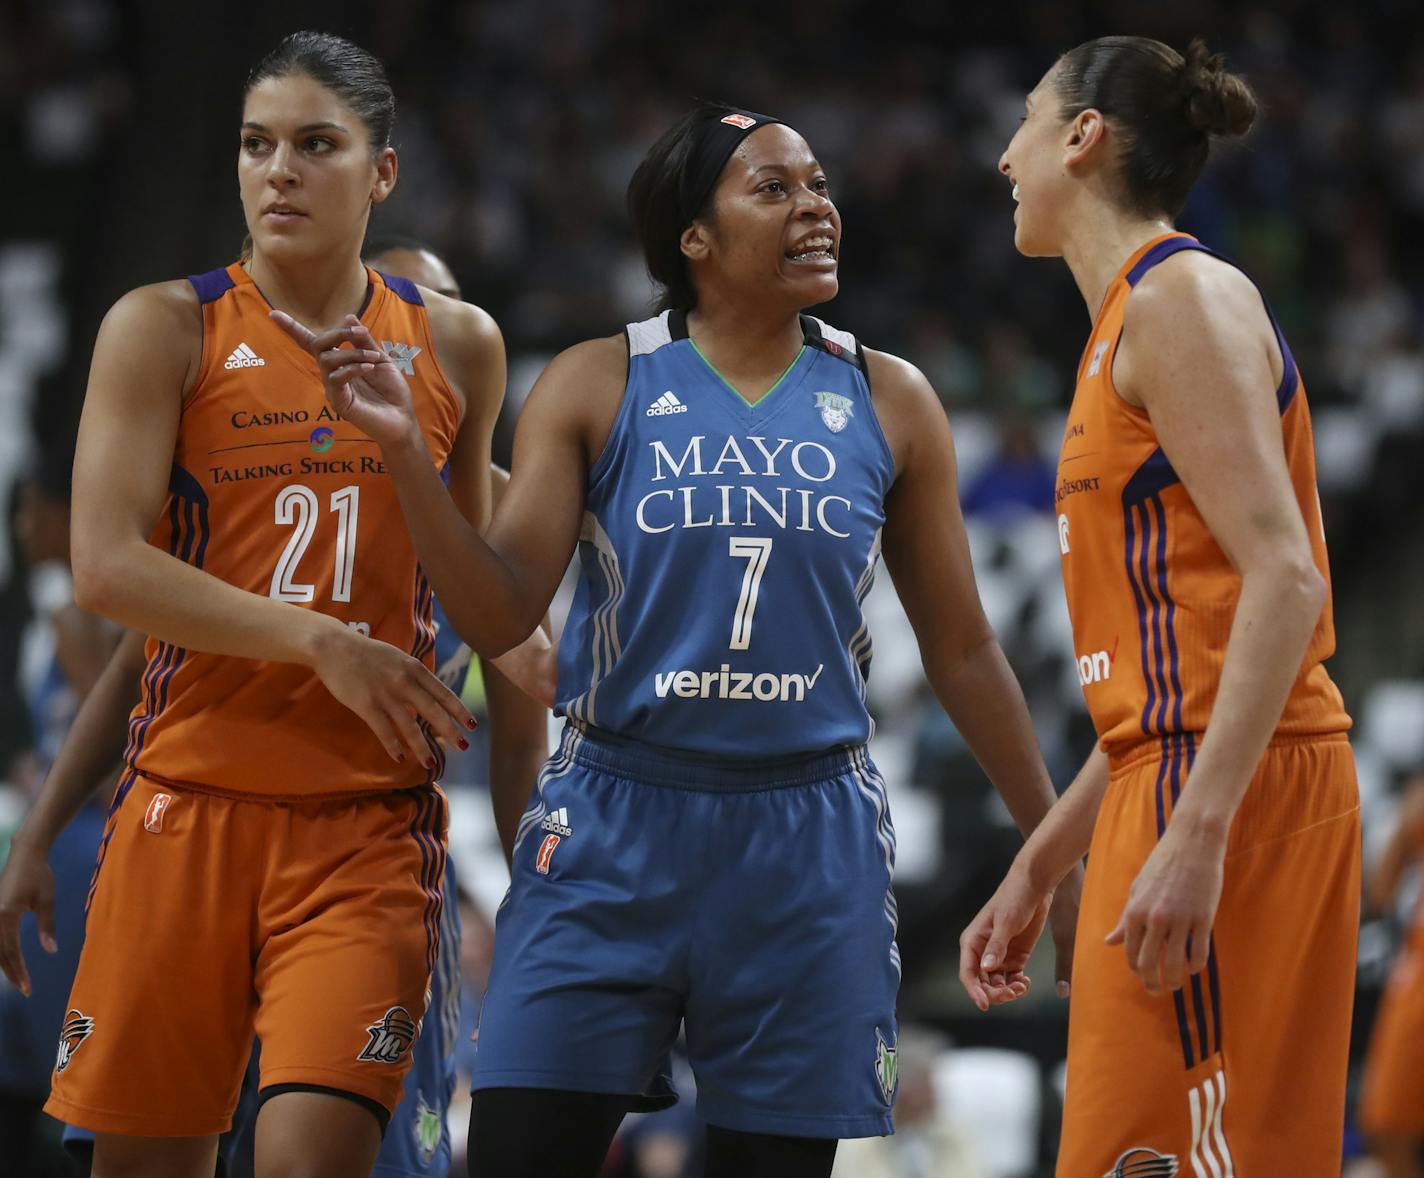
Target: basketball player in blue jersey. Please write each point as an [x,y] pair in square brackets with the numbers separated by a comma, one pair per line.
[710,846]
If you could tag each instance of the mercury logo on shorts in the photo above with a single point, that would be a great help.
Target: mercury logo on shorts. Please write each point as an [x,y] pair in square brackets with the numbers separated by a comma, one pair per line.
[1144,1163]
[153,816]
[391,1037]
[77,1027]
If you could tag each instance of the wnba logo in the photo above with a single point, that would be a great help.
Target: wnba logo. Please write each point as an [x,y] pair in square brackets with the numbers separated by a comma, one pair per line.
[391,1037]
[153,816]
[546,852]
[321,439]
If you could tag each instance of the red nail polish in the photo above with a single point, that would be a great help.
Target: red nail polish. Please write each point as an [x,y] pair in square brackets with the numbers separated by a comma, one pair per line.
[470,723]
[464,744]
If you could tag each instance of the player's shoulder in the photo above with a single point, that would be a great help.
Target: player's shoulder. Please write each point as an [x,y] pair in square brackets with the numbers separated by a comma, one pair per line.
[153,332]
[585,381]
[1192,288]
[897,386]
[461,331]
[170,305]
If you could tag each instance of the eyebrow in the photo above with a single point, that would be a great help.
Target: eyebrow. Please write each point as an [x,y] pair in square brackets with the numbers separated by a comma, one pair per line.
[815,166]
[249,125]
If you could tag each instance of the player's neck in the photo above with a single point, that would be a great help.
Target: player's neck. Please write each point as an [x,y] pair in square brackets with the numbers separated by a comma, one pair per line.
[317,292]
[1099,243]
[756,347]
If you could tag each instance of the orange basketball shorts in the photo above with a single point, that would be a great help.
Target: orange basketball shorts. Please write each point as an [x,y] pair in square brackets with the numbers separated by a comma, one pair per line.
[312,923]
[1241,1073]
[1393,1096]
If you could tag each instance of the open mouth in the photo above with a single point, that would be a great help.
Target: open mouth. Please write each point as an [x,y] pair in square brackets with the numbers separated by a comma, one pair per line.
[813,250]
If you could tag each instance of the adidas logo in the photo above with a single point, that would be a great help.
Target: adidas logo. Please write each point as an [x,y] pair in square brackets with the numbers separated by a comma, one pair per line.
[244,357]
[558,821]
[666,404]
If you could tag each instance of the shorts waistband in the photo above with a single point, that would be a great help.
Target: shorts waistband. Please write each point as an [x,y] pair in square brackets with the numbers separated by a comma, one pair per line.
[1164,746]
[620,756]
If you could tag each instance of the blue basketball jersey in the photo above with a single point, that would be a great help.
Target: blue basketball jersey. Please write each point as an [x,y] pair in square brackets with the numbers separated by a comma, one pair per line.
[726,551]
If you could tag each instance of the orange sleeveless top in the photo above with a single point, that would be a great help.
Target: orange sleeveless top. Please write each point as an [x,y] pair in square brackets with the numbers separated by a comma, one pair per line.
[1151,595]
[273,493]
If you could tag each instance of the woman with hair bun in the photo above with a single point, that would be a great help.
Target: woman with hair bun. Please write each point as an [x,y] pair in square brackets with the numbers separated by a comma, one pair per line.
[1214,968]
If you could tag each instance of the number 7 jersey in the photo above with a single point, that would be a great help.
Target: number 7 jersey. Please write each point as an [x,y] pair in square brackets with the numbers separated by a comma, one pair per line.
[272,493]
[726,551]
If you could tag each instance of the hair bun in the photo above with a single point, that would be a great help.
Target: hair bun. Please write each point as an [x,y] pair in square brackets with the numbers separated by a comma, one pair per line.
[1218,102]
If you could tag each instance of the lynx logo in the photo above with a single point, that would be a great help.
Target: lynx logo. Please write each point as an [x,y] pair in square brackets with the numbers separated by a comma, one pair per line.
[391,1037]
[153,816]
[546,852]
[403,355]
[1144,1163]
[835,410]
[1097,667]
[426,1128]
[887,1067]
[77,1027]
[1097,363]
[1063,534]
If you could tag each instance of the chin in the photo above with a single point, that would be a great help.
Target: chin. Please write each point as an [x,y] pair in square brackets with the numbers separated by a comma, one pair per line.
[821,290]
[1032,245]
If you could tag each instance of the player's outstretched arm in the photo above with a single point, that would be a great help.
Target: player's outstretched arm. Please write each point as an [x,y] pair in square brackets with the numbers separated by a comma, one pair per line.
[145,361]
[927,552]
[494,589]
[87,758]
[1199,354]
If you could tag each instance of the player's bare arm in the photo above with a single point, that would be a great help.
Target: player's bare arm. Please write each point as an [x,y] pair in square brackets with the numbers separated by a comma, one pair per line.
[927,553]
[87,758]
[496,588]
[145,360]
[1198,353]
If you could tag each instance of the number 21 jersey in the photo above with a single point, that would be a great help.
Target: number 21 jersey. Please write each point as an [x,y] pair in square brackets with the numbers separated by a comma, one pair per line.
[726,551]
[272,493]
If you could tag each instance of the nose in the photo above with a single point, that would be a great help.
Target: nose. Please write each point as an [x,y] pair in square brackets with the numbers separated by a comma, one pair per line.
[1004,163]
[815,204]
[280,171]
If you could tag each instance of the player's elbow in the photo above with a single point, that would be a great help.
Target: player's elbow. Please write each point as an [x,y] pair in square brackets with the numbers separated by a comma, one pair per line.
[1299,586]
[97,578]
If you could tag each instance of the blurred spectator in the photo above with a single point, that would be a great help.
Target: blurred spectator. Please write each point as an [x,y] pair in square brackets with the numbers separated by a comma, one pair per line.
[1018,479]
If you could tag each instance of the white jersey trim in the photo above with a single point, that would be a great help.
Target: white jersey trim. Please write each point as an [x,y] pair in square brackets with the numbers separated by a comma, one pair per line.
[648,336]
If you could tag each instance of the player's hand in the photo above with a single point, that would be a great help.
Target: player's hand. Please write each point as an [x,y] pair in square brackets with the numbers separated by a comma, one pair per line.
[393,693]
[26,885]
[363,385]
[1063,924]
[996,946]
[1166,925]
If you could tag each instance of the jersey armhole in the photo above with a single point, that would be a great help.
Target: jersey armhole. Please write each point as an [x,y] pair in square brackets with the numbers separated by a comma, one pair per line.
[600,466]
[459,407]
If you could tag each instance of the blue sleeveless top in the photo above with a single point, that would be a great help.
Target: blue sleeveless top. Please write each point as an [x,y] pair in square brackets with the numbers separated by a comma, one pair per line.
[726,551]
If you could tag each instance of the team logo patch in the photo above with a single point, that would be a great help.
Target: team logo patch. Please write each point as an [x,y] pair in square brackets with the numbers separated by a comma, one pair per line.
[1096,366]
[426,1128]
[153,816]
[835,410]
[546,852]
[321,439]
[391,1037]
[741,121]
[1144,1163]
[77,1027]
[403,355]
[887,1067]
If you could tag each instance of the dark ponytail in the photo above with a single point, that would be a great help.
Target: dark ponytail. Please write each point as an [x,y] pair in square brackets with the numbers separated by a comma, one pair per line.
[1167,109]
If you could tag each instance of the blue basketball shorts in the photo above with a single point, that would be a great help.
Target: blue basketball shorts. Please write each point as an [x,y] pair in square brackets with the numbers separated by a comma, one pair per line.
[748,903]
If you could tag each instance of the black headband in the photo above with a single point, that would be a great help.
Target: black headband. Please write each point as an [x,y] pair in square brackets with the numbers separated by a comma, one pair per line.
[710,151]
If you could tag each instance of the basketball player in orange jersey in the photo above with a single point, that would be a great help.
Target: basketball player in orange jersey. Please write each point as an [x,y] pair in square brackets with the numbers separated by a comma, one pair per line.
[270,863]
[1392,1103]
[518,745]
[1214,966]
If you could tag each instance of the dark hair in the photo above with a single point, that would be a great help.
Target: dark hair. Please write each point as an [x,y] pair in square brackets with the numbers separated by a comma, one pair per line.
[347,70]
[1166,108]
[655,203]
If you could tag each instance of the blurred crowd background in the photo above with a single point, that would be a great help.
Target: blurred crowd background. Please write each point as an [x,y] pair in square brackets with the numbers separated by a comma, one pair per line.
[519,124]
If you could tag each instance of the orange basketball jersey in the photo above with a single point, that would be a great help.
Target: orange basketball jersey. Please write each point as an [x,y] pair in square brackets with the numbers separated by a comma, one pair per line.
[273,493]
[1150,594]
